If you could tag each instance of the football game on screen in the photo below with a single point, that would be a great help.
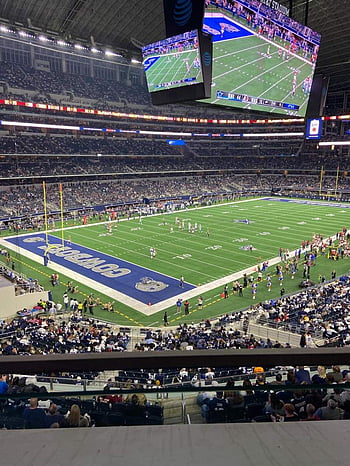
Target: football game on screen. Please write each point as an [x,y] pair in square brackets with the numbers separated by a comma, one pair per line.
[173,62]
[262,59]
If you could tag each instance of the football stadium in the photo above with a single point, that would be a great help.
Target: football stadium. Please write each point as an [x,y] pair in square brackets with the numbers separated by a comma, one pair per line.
[176,274]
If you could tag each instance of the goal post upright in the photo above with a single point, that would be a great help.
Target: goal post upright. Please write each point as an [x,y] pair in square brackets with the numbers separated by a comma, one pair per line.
[45,214]
[321,180]
[61,212]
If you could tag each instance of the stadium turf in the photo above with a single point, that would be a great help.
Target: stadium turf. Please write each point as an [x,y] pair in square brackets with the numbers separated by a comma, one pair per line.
[218,247]
[171,68]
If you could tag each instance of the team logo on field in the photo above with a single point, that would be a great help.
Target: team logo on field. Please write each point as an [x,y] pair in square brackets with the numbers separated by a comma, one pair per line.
[34,239]
[228,27]
[150,285]
[211,30]
[248,247]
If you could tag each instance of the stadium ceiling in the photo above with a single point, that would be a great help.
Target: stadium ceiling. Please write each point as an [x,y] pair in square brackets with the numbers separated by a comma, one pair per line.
[128,24]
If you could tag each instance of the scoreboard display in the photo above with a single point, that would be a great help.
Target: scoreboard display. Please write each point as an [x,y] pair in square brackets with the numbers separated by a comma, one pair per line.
[178,68]
[262,59]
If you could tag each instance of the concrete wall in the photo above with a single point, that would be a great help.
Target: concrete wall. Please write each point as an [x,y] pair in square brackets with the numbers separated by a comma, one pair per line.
[10,303]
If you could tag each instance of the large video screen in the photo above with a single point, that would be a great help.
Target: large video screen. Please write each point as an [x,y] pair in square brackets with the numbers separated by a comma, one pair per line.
[173,62]
[262,59]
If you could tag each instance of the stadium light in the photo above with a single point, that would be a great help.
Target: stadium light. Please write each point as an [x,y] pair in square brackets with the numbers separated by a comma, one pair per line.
[94,50]
[334,143]
[135,62]
[4,29]
[43,38]
[78,47]
[272,135]
[62,43]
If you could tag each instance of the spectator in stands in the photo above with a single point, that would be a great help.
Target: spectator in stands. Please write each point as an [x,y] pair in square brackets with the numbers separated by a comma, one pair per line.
[345,395]
[75,419]
[247,387]
[136,398]
[320,377]
[235,399]
[314,397]
[298,401]
[3,384]
[260,380]
[329,412]
[218,404]
[210,374]
[229,384]
[334,395]
[346,407]
[302,375]
[290,377]
[34,417]
[289,413]
[337,376]
[309,412]
[274,406]
[53,416]
[279,379]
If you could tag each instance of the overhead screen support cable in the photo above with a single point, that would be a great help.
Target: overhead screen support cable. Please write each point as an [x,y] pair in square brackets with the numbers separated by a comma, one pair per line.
[306,12]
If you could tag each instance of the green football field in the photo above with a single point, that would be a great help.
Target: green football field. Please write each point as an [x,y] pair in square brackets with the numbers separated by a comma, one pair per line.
[173,68]
[201,258]
[218,250]
[255,66]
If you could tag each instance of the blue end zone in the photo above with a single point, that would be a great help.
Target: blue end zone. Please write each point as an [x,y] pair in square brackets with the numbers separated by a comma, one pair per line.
[132,280]
[303,201]
[149,62]
[223,28]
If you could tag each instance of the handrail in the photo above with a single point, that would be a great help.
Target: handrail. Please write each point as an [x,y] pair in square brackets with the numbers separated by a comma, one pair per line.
[39,364]
[182,391]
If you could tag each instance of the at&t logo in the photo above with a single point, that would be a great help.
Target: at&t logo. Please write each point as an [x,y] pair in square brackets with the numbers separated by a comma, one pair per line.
[182,12]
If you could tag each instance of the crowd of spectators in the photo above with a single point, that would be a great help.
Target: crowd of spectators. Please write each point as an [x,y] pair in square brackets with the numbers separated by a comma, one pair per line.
[67,145]
[49,84]
[258,15]
[323,310]
[23,199]
[205,335]
[152,155]
[47,335]
[284,399]
[22,285]
[40,412]
[19,200]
